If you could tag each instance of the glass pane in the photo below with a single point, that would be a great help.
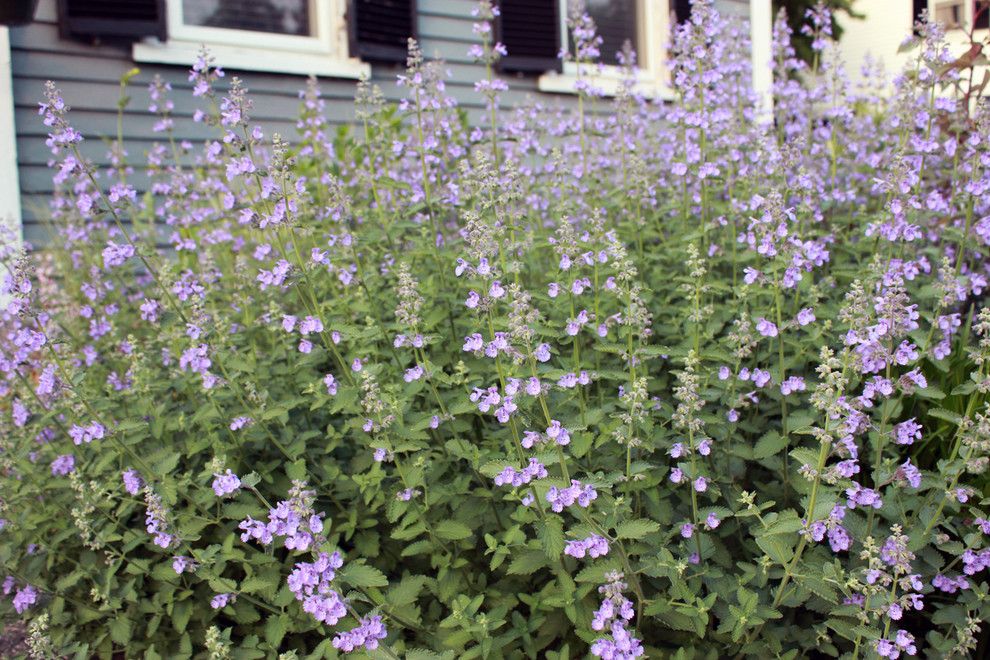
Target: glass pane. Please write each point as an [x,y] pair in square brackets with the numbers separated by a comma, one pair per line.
[616,21]
[279,16]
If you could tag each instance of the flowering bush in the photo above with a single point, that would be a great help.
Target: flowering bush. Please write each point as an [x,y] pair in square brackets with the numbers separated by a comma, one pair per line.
[628,379]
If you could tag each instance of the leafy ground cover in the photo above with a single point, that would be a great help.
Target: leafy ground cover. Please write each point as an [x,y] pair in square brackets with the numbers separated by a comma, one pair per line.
[625,378]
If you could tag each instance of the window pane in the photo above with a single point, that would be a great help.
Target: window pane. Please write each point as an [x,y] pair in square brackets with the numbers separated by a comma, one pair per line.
[279,16]
[616,21]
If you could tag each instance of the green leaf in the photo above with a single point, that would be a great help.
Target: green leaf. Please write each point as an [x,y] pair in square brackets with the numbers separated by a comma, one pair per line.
[406,591]
[947,415]
[770,444]
[297,470]
[362,575]
[551,535]
[636,529]
[528,562]
[275,629]
[453,530]
[181,613]
[120,629]
[777,546]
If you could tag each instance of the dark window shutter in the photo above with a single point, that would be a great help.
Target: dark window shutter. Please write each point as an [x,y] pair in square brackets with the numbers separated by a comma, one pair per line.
[981,14]
[682,10]
[380,29]
[112,18]
[917,6]
[530,30]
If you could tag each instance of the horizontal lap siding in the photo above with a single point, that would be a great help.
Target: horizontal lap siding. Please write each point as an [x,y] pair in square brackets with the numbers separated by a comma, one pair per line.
[89,75]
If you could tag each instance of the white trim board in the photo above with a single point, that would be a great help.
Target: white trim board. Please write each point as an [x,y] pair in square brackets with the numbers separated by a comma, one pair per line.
[10,190]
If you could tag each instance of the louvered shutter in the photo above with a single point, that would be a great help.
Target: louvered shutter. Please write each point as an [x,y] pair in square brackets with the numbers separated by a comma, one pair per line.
[530,30]
[380,29]
[17,12]
[112,18]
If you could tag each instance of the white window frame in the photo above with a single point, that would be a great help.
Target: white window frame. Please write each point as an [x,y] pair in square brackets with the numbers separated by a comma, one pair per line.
[323,54]
[653,78]
[10,192]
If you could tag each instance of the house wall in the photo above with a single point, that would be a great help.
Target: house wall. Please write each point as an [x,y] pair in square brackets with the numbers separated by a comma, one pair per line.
[885,26]
[88,75]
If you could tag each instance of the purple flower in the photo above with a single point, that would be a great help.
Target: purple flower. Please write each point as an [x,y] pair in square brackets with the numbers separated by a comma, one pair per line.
[766,328]
[792,384]
[294,519]
[88,433]
[509,476]
[132,482]
[240,422]
[221,601]
[542,353]
[331,384]
[593,546]
[63,465]
[712,521]
[622,646]
[310,582]
[25,598]
[906,432]
[182,564]
[558,433]
[581,494]
[864,497]
[909,473]
[310,324]
[806,316]
[474,343]
[115,255]
[226,483]
[368,633]
[156,521]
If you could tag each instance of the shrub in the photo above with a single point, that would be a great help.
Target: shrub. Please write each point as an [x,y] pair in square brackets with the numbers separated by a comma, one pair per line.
[630,377]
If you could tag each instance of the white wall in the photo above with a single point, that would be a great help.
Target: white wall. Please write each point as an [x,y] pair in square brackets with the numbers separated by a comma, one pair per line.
[887,24]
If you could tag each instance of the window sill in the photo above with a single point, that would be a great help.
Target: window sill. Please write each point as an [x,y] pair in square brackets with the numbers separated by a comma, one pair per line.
[251,59]
[565,83]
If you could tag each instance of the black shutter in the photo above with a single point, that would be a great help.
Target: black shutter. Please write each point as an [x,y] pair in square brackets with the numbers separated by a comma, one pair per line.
[17,12]
[682,10]
[380,29]
[917,6]
[530,31]
[112,18]
[981,14]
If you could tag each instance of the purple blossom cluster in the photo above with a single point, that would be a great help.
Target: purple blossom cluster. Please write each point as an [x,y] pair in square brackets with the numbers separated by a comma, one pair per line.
[311,583]
[592,546]
[369,632]
[293,519]
[577,493]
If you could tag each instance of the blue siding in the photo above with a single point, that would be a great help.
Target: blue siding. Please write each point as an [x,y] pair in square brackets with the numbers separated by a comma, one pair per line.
[88,76]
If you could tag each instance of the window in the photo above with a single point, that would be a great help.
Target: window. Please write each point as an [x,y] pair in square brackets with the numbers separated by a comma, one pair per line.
[616,21]
[949,13]
[981,14]
[281,36]
[277,16]
[644,23]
